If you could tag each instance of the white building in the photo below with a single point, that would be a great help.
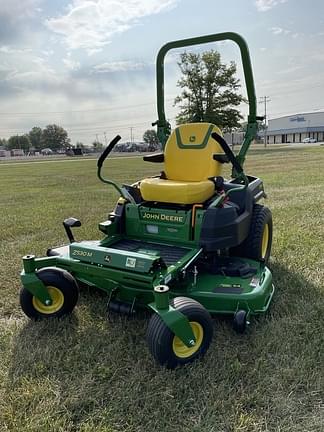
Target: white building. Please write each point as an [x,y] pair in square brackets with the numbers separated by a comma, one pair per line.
[234,137]
[295,128]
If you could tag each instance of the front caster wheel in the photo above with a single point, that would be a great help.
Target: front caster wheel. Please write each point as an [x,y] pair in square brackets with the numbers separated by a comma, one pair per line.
[167,348]
[240,321]
[62,289]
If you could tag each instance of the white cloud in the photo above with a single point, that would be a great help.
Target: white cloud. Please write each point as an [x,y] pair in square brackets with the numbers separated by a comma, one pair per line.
[90,24]
[7,71]
[71,64]
[289,70]
[32,72]
[265,5]
[276,30]
[279,30]
[47,53]
[118,66]
[5,49]
[19,9]
[39,72]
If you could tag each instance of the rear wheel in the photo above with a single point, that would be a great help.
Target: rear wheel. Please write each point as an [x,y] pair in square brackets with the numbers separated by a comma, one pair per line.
[258,243]
[61,287]
[167,348]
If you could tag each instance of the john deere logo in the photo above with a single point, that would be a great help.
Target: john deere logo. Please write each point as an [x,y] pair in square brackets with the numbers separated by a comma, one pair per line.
[162,217]
[107,258]
[192,138]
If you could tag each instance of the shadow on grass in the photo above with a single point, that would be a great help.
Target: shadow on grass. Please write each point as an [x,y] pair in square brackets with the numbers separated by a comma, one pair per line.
[99,374]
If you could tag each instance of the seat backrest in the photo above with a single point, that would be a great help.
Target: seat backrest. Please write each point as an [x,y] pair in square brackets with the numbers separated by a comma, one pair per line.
[188,153]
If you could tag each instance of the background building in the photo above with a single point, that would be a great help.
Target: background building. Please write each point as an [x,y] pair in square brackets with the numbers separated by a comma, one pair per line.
[234,137]
[295,128]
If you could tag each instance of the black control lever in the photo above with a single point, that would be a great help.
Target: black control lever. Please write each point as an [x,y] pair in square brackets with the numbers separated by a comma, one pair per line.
[107,150]
[236,165]
[68,224]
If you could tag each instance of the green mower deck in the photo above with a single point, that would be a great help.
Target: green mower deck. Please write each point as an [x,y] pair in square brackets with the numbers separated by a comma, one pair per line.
[131,274]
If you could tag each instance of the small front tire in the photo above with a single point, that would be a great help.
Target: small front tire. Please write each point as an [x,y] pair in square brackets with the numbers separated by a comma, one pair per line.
[63,290]
[240,321]
[167,349]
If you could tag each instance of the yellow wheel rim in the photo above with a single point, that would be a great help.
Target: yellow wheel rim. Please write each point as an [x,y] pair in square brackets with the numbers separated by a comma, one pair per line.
[265,241]
[181,350]
[57,301]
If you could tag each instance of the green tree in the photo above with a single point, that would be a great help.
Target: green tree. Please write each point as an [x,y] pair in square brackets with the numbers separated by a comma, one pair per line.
[19,142]
[97,146]
[209,90]
[55,138]
[151,138]
[3,143]
[35,136]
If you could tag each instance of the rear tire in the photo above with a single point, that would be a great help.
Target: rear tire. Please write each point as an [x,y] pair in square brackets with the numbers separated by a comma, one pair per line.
[63,290]
[166,348]
[258,243]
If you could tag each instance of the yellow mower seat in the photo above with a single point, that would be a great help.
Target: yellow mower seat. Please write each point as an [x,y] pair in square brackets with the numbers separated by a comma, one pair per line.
[172,191]
[188,164]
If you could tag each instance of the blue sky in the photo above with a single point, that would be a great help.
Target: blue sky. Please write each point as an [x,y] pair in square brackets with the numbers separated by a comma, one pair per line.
[88,65]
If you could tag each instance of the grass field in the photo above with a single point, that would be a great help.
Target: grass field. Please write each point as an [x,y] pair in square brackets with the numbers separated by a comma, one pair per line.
[90,373]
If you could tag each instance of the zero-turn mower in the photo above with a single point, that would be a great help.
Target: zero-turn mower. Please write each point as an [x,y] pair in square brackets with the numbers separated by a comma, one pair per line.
[185,244]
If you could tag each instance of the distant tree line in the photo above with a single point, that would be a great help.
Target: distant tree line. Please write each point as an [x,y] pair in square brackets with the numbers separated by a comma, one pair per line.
[56,138]
[53,137]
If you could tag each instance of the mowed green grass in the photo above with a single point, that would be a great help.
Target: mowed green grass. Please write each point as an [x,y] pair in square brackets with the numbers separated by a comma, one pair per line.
[91,373]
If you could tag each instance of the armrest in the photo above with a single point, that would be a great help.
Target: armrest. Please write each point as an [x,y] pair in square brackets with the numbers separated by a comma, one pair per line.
[220,157]
[156,157]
